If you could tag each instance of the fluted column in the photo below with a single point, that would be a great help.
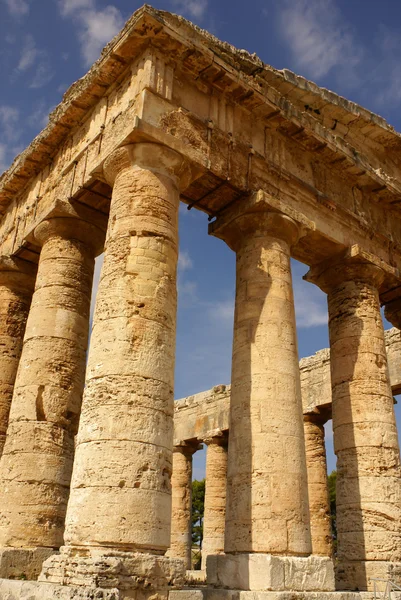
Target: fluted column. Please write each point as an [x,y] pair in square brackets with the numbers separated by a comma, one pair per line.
[267,511]
[365,433]
[181,509]
[36,465]
[17,280]
[319,503]
[120,502]
[215,497]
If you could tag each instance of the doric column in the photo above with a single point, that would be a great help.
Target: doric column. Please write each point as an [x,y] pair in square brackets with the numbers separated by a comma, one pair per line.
[36,465]
[119,513]
[319,503]
[215,496]
[181,509]
[365,432]
[267,509]
[17,280]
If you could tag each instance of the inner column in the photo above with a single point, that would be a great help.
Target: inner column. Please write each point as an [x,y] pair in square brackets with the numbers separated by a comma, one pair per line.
[319,503]
[215,496]
[364,426]
[17,280]
[119,513]
[267,513]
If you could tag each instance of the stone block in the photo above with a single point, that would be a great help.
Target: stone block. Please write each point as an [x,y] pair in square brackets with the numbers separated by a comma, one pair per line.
[23,563]
[361,574]
[34,590]
[213,594]
[265,572]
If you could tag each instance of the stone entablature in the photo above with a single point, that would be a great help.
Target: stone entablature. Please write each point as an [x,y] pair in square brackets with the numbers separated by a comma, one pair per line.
[198,416]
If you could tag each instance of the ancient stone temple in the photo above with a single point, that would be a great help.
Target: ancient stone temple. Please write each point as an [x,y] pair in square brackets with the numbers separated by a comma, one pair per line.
[90,452]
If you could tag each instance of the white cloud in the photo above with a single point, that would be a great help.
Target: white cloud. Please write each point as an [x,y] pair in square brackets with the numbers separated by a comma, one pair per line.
[318,36]
[29,54]
[193,8]
[95,28]
[184,261]
[17,8]
[310,305]
[43,74]
[223,312]
[4,162]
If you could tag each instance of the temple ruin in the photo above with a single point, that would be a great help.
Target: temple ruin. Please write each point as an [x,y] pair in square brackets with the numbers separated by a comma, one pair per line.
[284,169]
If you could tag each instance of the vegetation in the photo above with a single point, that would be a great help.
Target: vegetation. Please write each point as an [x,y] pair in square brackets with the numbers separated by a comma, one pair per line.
[198,511]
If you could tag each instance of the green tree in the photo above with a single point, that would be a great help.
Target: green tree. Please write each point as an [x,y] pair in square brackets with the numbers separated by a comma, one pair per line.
[331,481]
[198,511]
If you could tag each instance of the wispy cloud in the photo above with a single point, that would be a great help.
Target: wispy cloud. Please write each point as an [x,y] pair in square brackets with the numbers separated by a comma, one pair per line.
[191,8]
[37,60]
[10,133]
[318,36]
[184,261]
[17,8]
[95,27]
[29,54]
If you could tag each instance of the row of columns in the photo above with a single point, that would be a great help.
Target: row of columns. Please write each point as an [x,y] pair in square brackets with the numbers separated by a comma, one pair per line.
[117,521]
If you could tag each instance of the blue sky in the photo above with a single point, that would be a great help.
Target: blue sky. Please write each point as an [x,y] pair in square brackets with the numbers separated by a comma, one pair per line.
[351,47]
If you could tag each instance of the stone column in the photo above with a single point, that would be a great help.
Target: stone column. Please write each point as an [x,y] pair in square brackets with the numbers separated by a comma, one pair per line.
[36,465]
[119,513]
[215,497]
[267,497]
[17,280]
[319,503]
[181,509]
[365,432]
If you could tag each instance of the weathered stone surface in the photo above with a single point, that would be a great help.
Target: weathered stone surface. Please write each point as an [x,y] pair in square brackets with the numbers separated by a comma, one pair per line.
[267,507]
[17,279]
[319,505]
[263,572]
[36,465]
[365,431]
[215,496]
[181,504]
[23,563]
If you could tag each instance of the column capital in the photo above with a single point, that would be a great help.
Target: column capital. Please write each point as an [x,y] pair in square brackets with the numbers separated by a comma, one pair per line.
[187,448]
[354,264]
[217,438]
[237,229]
[146,155]
[70,228]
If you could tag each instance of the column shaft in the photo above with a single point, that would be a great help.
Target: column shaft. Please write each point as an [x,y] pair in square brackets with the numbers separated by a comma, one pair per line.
[36,465]
[215,498]
[17,280]
[319,503]
[267,498]
[126,427]
[365,433]
[181,510]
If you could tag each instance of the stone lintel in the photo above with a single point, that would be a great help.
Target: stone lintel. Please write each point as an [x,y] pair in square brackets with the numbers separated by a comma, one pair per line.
[266,572]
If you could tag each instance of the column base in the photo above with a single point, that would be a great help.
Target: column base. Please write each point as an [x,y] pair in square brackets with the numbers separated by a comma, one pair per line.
[358,575]
[266,572]
[23,563]
[135,575]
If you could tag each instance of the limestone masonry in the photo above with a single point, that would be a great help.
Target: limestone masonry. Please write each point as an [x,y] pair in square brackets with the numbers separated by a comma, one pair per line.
[96,462]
